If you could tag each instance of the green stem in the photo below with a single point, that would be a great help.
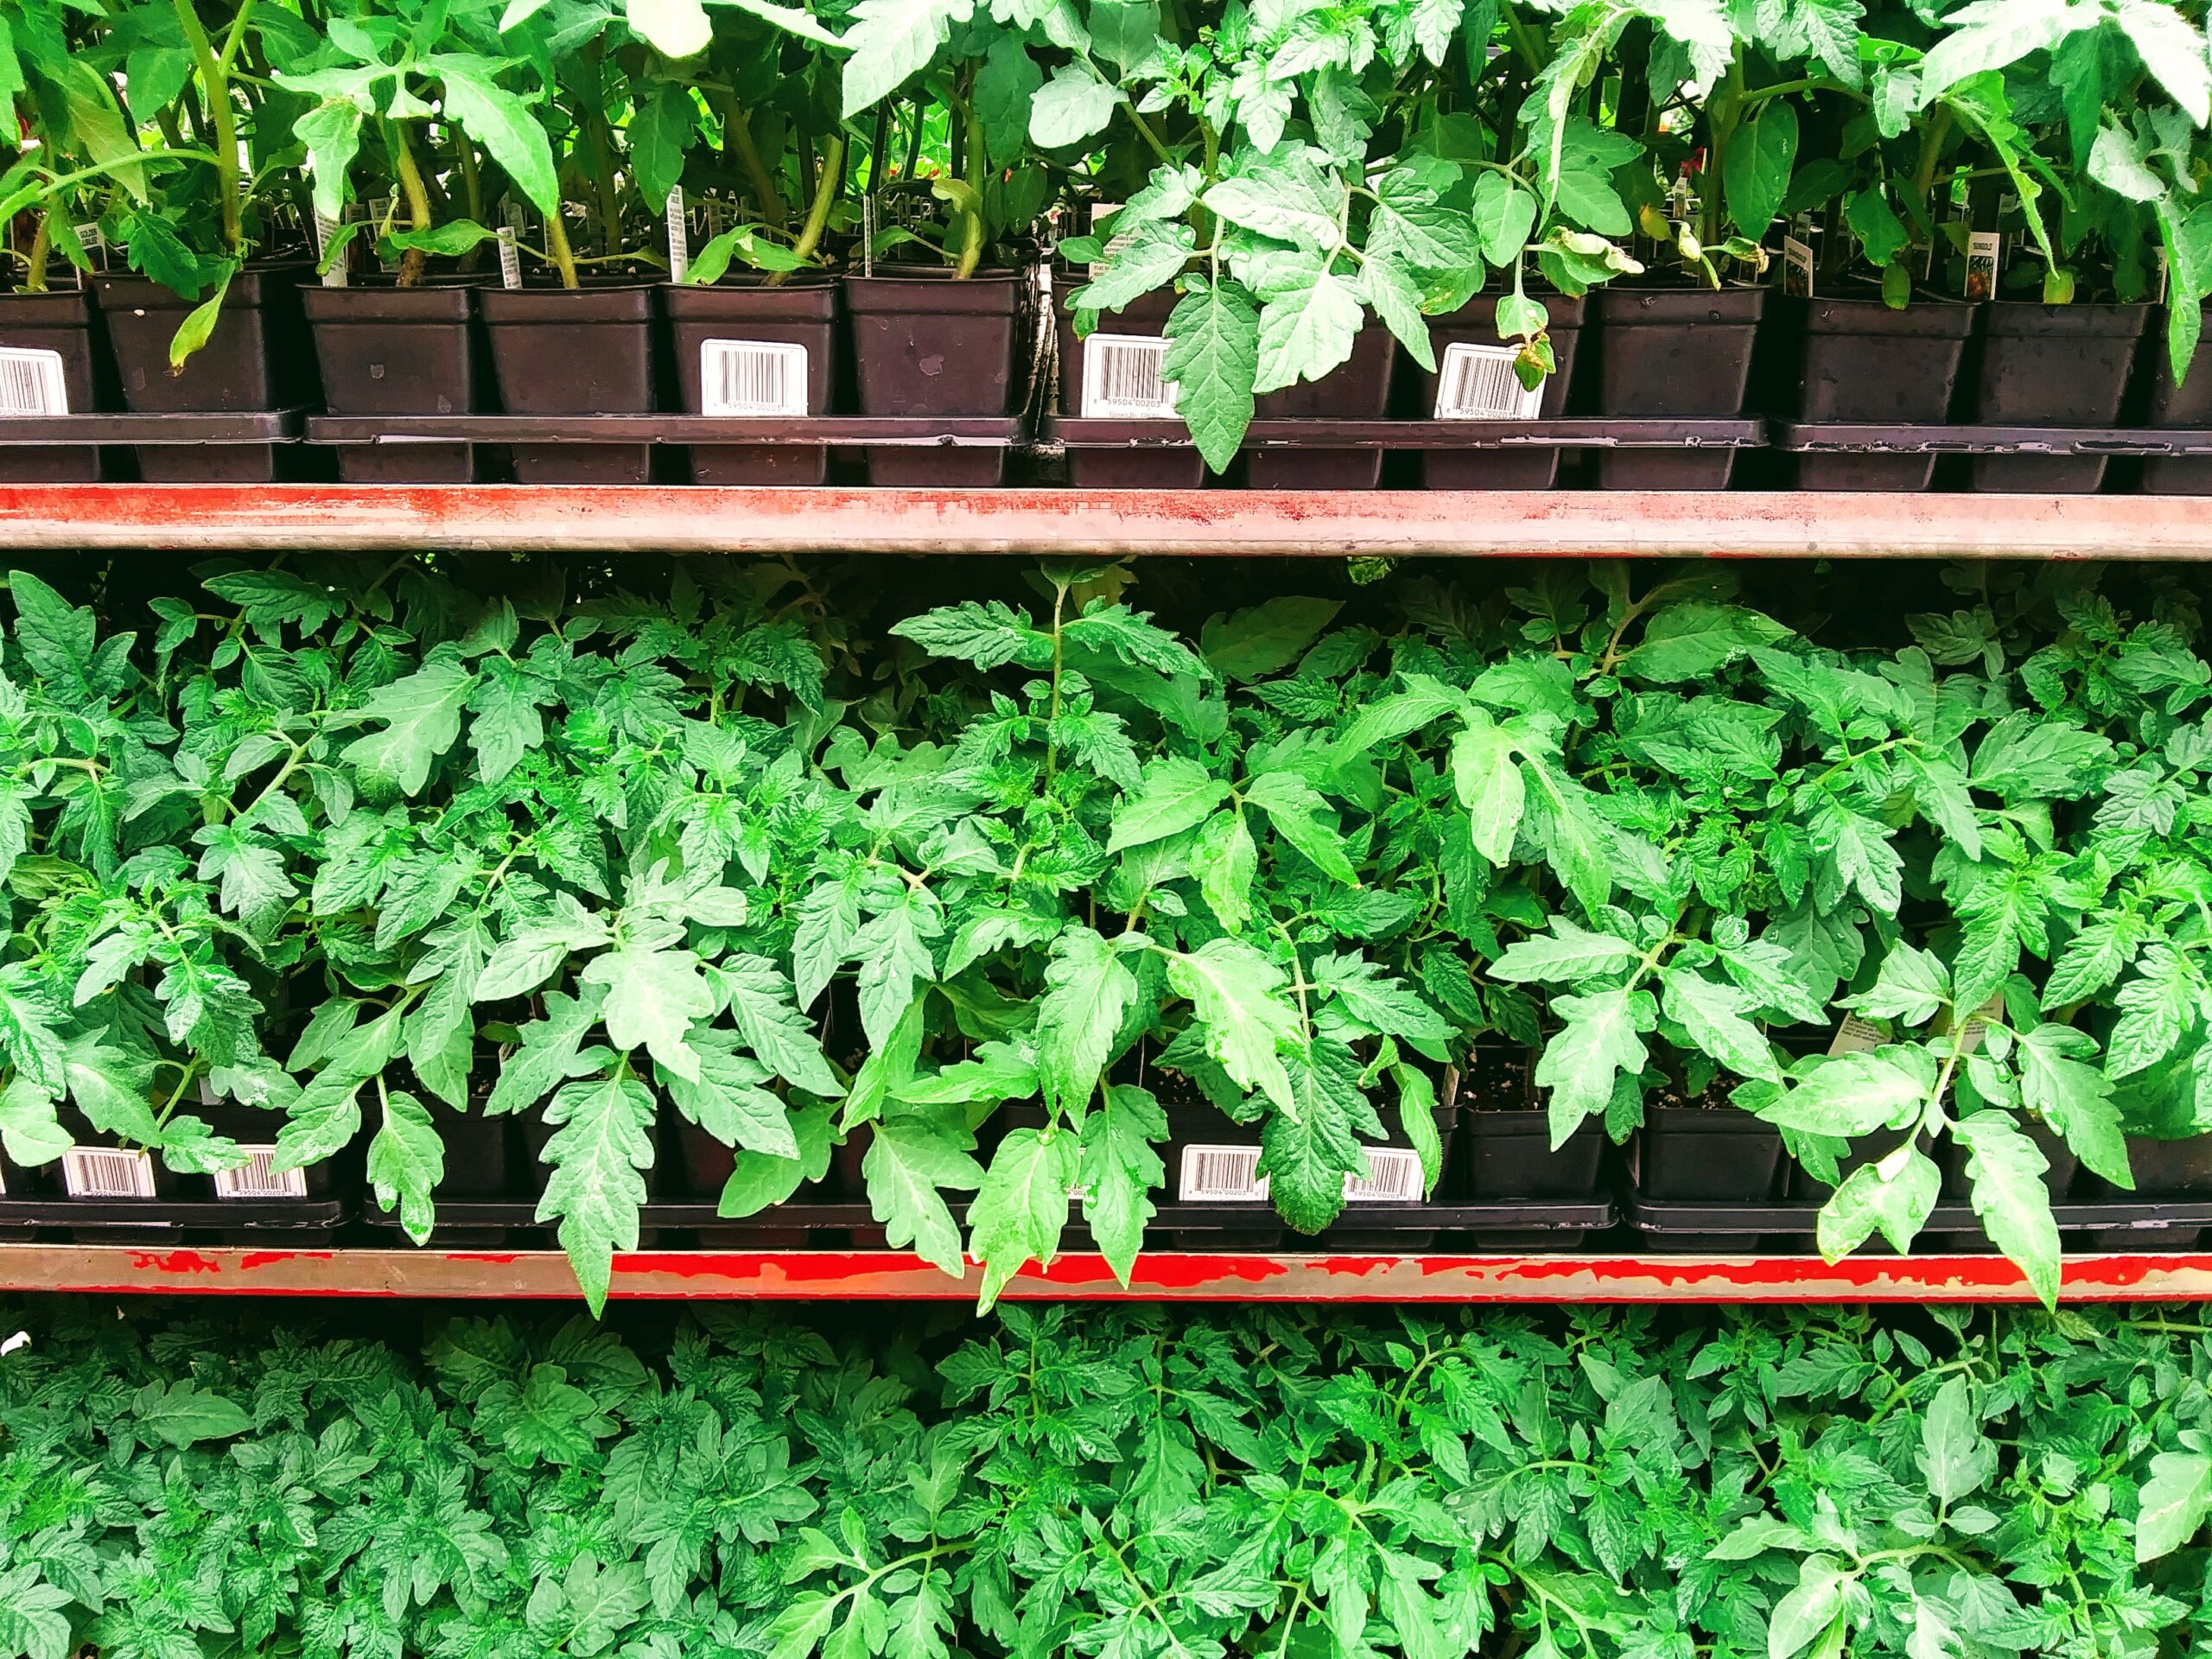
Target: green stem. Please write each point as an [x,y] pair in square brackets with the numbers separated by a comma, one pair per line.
[827,188]
[42,247]
[226,142]
[737,132]
[556,244]
[419,200]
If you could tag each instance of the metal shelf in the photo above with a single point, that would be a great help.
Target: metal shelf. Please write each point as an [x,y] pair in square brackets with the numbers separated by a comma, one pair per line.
[891,1275]
[230,519]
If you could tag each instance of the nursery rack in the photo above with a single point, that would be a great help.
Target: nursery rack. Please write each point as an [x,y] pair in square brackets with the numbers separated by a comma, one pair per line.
[510,518]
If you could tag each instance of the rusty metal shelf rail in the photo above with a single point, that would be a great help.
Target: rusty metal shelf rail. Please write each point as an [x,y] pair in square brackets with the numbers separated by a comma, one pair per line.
[887,1275]
[225,518]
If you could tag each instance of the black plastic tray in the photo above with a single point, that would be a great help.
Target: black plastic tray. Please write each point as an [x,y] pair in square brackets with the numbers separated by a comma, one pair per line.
[959,432]
[259,426]
[1665,1218]
[154,1220]
[1843,437]
[1577,433]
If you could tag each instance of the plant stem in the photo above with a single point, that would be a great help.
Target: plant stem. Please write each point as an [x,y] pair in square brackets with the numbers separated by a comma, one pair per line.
[419,200]
[556,244]
[737,133]
[471,183]
[42,247]
[827,188]
[226,139]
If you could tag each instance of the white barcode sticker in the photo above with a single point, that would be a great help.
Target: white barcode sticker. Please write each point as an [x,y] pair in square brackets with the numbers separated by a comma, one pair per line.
[1227,1174]
[1857,1036]
[679,237]
[1394,1176]
[1477,382]
[31,382]
[1121,378]
[751,378]
[258,1181]
[107,1173]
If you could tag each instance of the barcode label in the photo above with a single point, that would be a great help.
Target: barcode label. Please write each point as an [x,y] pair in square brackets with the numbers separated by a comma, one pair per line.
[107,1173]
[679,237]
[751,378]
[31,382]
[1394,1177]
[1121,378]
[1857,1036]
[258,1181]
[1477,383]
[1222,1173]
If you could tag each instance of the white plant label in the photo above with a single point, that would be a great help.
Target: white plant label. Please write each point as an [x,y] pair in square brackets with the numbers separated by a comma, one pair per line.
[1221,1174]
[1114,242]
[510,238]
[1857,1036]
[325,228]
[679,237]
[107,1173]
[751,378]
[1121,378]
[1796,268]
[1394,1177]
[257,1180]
[1477,382]
[32,383]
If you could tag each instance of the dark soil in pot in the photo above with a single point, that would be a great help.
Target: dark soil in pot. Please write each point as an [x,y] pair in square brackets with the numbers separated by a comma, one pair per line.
[924,344]
[64,323]
[705,323]
[2187,404]
[257,357]
[1681,352]
[2052,366]
[585,351]
[1863,362]
[1476,324]
[1081,377]
[1358,389]
[387,350]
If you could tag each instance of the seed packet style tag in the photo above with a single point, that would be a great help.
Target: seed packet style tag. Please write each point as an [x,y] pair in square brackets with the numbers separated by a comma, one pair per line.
[1796,268]
[679,237]
[1985,263]
[510,235]
[1856,1036]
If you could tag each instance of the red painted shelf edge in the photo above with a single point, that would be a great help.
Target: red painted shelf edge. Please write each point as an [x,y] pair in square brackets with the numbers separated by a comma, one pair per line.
[122,1269]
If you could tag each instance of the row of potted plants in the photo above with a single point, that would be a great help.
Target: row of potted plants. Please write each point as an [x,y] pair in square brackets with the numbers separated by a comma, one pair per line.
[1259,205]
[966,880]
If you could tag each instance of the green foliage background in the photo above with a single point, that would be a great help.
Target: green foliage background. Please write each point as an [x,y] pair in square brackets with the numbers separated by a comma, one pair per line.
[1132,1484]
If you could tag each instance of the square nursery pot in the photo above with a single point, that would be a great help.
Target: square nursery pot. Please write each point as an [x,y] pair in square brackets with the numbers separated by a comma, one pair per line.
[1510,1157]
[925,344]
[2162,1170]
[2187,404]
[2052,366]
[1213,1159]
[1704,1154]
[1476,324]
[1864,362]
[481,1166]
[64,323]
[1364,1227]
[1081,361]
[693,1168]
[264,1201]
[385,350]
[97,1169]
[581,351]
[1358,388]
[1674,352]
[257,357]
[1951,1159]
[704,322]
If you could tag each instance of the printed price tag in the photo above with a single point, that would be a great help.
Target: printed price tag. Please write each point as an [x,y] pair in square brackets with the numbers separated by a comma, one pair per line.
[1479,383]
[1121,378]
[258,1181]
[751,378]
[32,382]
[107,1173]
[679,237]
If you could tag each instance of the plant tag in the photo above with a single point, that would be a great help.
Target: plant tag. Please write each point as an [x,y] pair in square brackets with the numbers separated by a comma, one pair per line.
[1856,1036]
[679,237]
[510,235]
[1978,1023]
[31,382]
[1477,382]
[2161,274]
[1114,242]
[1985,260]
[1796,268]
[1229,1174]
[751,378]
[1394,1176]
[868,234]
[258,1181]
[107,1173]
[325,228]
[1121,378]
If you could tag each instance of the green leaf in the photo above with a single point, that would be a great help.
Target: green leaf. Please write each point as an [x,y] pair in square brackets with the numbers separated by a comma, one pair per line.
[988,635]
[1897,1204]
[2074,1097]
[1755,170]
[1712,1013]
[893,40]
[1599,1040]
[503,123]
[906,1164]
[1562,956]
[1304,1157]
[1073,106]
[1487,778]
[651,998]
[1955,1457]
[729,1101]
[1022,1206]
[1265,639]
[1309,317]
[422,713]
[2007,1169]
[602,1141]
[759,999]
[2172,1503]
[179,1415]
[406,1162]
[1212,360]
[1088,994]
[1692,638]
[1119,1170]
[1301,817]
[1178,795]
[675,28]
[1237,994]
[1855,1093]
[895,960]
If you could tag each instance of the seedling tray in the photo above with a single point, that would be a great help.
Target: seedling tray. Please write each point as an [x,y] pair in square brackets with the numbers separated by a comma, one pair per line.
[291,1221]
[924,432]
[1661,1219]
[257,426]
[1575,433]
[1843,437]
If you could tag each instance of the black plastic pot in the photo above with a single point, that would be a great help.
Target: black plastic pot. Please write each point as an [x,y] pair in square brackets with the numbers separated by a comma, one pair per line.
[693,1168]
[1674,353]
[1476,324]
[1951,1159]
[2052,366]
[2163,1169]
[1193,1127]
[168,1183]
[1715,1156]
[63,323]
[257,357]
[1863,362]
[585,351]
[923,344]
[1509,1155]
[803,312]
[1358,389]
[256,1126]
[385,350]
[1121,470]
[1364,1228]
[2187,404]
